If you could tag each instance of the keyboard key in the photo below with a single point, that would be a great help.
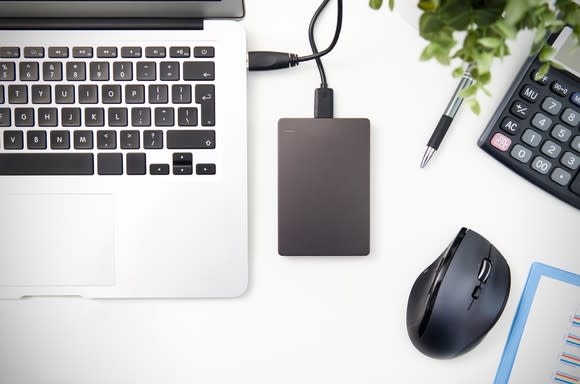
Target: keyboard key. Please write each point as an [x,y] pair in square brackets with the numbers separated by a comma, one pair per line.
[123,71]
[576,143]
[205,95]
[71,117]
[178,52]
[106,52]
[41,164]
[551,149]
[59,140]
[510,125]
[182,158]
[205,169]
[24,117]
[65,94]
[520,109]
[570,160]
[47,117]
[182,170]
[559,88]
[571,117]
[111,94]
[541,165]
[58,52]
[130,140]
[146,71]
[575,98]
[501,142]
[187,117]
[551,105]
[83,139]
[94,117]
[17,94]
[153,139]
[7,71]
[1,94]
[36,139]
[52,71]
[76,71]
[191,139]
[158,94]
[164,117]
[181,94]
[169,71]
[135,94]
[13,140]
[4,117]
[9,52]
[106,139]
[521,153]
[532,138]
[28,71]
[82,52]
[141,117]
[204,52]
[575,186]
[88,94]
[110,164]
[541,121]
[159,169]
[41,94]
[561,133]
[155,52]
[561,177]
[529,93]
[131,52]
[34,52]
[199,71]
[99,71]
[136,164]
[118,117]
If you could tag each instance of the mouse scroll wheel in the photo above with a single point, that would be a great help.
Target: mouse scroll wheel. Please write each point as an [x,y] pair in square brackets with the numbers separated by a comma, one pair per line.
[484,271]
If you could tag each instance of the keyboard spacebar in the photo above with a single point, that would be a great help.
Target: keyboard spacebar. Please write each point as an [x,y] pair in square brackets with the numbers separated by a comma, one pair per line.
[41,164]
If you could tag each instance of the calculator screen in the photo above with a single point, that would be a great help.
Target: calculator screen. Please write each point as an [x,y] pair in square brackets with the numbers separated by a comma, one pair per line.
[567,52]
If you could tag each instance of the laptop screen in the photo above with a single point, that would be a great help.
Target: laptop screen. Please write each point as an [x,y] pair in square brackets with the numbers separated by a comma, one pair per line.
[123,9]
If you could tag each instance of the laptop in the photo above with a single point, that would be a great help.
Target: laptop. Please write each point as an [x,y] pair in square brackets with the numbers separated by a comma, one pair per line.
[123,149]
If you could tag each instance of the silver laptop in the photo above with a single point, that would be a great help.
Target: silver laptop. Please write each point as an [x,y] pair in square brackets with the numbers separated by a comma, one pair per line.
[123,162]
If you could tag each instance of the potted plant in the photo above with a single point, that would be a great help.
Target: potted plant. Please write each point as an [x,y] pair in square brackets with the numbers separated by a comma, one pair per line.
[486,26]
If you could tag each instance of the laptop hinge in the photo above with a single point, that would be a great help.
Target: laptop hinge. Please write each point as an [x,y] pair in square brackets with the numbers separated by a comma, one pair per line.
[100,23]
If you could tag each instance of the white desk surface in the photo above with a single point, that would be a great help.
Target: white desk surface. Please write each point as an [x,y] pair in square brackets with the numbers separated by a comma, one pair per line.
[322,320]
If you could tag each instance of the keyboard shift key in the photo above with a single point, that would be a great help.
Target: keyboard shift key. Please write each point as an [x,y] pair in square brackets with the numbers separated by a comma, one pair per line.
[185,139]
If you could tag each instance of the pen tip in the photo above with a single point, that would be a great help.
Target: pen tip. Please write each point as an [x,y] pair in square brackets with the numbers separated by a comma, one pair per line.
[427,156]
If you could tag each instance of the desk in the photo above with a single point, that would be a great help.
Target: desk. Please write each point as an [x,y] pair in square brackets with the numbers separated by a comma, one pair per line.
[322,320]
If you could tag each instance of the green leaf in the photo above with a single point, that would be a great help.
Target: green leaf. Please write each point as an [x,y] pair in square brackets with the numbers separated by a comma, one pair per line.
[546,53]
[543,71]
[457,72]
[474,105]
[505,29]
[490,42]
[428,5]
[376,4]
[515,11]
[391,4]
[429,23]
[469,91]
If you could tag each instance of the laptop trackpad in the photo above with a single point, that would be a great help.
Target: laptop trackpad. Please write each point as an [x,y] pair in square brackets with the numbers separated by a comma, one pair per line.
[57,240]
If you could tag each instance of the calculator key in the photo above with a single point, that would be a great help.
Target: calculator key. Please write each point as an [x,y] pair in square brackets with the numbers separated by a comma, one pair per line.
[542,80]
[561,177]
[33,52]
[58,52]
[131,52]
[561,133]
[7,71]
[510,125]
[204,52]
[576,143]
[541,121]
[575,98]
[155,52]
[520,109]
[501,142]
[551,149]
[529,93]
[521,154]
[571,117]
[575,187]
[541,165]
[532,138]
[82,52]
[551,105]
[559,88]
[177,52]
[9,52]
[570,160]
[107,52]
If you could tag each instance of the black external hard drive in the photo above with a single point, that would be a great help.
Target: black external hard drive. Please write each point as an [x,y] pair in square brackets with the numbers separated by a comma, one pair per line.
[324,187]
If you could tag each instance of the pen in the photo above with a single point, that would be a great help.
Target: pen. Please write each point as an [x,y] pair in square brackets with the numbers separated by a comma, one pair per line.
[447,118]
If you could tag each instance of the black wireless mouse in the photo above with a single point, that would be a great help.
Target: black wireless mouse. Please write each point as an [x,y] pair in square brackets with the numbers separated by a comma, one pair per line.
[459,298]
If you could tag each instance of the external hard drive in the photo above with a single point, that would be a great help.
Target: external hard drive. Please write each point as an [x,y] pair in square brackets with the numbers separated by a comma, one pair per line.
[323,187]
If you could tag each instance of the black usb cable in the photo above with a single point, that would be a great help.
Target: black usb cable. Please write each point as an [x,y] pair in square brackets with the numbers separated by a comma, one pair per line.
[266,61]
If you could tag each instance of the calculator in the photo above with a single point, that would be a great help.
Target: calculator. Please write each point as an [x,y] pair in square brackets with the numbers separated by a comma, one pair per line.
[536,129]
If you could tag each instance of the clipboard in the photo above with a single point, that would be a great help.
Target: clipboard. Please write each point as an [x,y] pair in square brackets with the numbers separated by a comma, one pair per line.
[561,367]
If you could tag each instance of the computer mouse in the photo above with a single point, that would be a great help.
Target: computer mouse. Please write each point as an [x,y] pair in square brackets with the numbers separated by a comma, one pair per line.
[456,301]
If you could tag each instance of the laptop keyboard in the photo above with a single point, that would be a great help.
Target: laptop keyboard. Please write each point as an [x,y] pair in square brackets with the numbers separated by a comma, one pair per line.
[105,110]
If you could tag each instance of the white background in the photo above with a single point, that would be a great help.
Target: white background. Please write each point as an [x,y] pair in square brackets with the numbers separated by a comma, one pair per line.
[322,320]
